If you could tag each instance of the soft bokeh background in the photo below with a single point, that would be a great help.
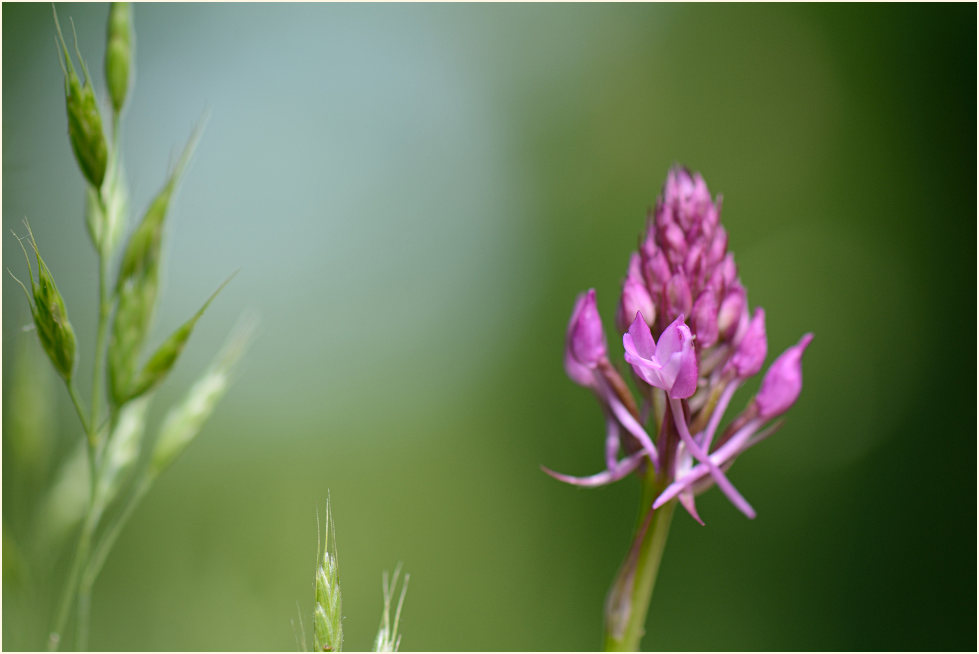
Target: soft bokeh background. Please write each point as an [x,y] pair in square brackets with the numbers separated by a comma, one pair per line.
[413,195]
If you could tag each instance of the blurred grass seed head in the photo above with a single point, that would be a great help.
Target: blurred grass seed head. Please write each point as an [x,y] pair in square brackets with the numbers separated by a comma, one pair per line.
[50,315]
[84,123]
[119,53]
[137,288]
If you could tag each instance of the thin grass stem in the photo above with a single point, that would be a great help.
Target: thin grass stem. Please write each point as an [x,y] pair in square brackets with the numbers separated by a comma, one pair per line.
[105,309]
[104,545]
[84,615]
[78,564]
[75,400]
[89,437]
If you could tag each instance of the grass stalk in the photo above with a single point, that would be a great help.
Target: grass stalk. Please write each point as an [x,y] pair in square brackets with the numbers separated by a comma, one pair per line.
[105,309]
[79,562]
[104,546]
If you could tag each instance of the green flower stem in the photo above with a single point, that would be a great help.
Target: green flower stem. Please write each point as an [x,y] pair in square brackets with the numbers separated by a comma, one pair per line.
[629,597]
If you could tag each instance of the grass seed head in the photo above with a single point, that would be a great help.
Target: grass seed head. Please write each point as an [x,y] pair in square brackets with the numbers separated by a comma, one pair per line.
[84,123]
[50,315]
[137,286]
[184,421]
[119,53]
[388,639]
[159,365]
[328,604]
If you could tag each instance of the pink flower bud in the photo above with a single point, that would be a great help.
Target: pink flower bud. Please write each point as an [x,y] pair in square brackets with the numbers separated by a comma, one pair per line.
[678,185]
[693,264]
[703,318]
[729,315]
[677,296]
[783,381]
[718,246]
[585,343]
[715,280]
[675,242]
[689,198]
[647,245]
[635,299]
[656,272]
[712,215]
[729,269]
[750,354]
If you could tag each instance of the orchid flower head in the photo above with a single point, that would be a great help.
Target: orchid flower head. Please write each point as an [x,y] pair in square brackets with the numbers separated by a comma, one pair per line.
[687,373]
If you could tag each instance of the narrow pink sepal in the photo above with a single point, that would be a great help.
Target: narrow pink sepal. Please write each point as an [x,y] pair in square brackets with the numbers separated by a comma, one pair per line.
[687,502]
[621,469]
[723,456]
[698,453]
[630,424]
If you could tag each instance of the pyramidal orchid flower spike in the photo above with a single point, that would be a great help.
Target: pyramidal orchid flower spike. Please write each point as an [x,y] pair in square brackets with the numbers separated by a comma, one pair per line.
[689,341]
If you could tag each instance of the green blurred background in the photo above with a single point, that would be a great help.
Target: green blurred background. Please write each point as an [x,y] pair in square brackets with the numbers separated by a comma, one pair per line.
[414,194]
